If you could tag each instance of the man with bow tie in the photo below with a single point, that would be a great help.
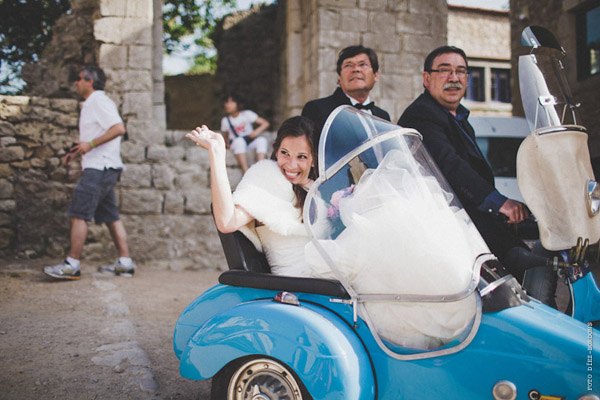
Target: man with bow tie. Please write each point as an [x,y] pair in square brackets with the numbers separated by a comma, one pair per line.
[358,70]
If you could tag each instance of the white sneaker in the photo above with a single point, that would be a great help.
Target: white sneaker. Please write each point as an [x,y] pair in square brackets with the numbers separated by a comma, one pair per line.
[64,270]
[118,269]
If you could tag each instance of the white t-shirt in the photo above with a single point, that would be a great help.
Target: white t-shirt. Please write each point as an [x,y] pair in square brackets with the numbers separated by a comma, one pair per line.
[98,114]
[242,123]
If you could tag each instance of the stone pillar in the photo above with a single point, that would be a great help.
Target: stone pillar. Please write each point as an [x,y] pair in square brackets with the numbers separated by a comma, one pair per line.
[401,32]
[125,32]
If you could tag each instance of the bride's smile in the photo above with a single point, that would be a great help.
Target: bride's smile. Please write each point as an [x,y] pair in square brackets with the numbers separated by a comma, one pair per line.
[294,159]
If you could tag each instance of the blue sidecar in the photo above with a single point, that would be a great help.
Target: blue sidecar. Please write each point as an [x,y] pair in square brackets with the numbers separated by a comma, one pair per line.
[263,336]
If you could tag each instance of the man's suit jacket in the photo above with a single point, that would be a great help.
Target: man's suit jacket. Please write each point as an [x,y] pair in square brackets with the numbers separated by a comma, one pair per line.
[463,165]
[318,110]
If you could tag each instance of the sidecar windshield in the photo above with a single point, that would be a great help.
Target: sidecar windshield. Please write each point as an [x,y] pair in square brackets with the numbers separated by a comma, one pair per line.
[385,222]
[545,93]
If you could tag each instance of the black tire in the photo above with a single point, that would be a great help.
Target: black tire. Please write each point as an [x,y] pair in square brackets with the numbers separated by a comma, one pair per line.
[257,375]
[540,282]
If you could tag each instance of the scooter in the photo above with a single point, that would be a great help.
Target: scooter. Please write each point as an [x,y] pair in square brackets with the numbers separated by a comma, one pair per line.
[264,336]
[554,172]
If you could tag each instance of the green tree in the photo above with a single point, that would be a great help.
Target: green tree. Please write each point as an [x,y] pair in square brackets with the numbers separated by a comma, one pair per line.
[25,28]
[185,18]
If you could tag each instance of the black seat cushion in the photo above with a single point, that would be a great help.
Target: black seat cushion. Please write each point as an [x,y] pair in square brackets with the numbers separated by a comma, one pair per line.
[240,253]
[257,280]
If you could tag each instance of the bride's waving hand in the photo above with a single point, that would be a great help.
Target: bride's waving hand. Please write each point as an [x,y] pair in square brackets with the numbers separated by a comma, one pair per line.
[228,216]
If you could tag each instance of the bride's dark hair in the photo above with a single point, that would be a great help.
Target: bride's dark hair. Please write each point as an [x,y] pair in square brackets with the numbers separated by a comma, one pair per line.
[297,127]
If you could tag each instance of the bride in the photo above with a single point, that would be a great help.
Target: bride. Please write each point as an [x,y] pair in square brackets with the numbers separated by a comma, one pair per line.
[391,219]
[267,203]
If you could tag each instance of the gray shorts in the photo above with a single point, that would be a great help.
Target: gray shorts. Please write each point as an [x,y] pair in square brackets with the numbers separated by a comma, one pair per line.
[94,196]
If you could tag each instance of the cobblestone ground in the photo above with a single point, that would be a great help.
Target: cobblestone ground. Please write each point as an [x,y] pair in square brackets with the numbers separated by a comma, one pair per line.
[97,338]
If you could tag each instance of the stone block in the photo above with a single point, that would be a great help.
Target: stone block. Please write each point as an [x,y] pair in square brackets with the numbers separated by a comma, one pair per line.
[113,8]
[138,81]
[383,23]
[198,157]
[7,236]
[5,170]
[160,115]
[395,5]
[6,141]
[197,200]
[138,104]
[132,152]
[141,201]
[416,43]
[11,112]
[411,24]
[15,100]
[428,7]
[140,9]
[7,189]
[67,120]
[162,176]
[64,105]
[7,129]
[40,102]
[157,153]
[354,20]
[5,219]
[31,130]
[387,42]
[329,18]
[372,4]
[191,180]
[10,154]
[140,57]
[174,203]
[112,55]
[123,31]
[136,176]
[21,164]
[338,4]
[7,205]
[38,162]
[338,39]
[144,132]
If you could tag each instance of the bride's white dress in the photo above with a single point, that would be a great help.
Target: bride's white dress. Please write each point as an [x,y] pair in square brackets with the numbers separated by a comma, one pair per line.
[404,241]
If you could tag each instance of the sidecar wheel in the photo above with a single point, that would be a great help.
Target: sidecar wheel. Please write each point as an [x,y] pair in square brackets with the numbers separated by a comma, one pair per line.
[257,378]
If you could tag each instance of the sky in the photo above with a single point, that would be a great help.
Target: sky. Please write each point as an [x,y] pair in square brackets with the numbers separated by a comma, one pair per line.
[180,63]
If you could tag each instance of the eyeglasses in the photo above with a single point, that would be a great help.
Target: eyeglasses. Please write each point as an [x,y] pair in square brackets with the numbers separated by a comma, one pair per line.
[460,73]
[360,65]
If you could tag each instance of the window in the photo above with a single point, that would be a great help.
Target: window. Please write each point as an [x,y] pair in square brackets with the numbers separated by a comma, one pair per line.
[476,84]
[488,87]
[501,85]
[588,39]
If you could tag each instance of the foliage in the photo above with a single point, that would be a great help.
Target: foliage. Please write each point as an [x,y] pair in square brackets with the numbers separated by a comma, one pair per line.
[197,18]
[25,28]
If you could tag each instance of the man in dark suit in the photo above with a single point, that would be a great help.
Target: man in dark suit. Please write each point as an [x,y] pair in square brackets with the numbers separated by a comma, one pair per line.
[358,70]
[438,115]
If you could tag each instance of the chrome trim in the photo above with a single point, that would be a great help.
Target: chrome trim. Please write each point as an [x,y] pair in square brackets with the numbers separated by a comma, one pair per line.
[504,390]
[557,129]
[593,197]
[492,286]
[435,353]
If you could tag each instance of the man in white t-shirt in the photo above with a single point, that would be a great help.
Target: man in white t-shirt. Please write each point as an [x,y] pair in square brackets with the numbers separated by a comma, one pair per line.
[99,145]
[238,128]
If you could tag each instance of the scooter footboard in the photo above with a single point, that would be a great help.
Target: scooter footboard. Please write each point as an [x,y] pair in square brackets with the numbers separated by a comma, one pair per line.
[321,348]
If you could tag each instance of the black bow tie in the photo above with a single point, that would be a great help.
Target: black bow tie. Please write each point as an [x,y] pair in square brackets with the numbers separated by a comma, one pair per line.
[369,106]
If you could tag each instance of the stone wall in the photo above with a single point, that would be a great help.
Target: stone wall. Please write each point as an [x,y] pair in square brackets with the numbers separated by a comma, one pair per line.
[248,43]
[193,100]
[559,17]
[163,193]
[401,32]
[482,34]
[71,47]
